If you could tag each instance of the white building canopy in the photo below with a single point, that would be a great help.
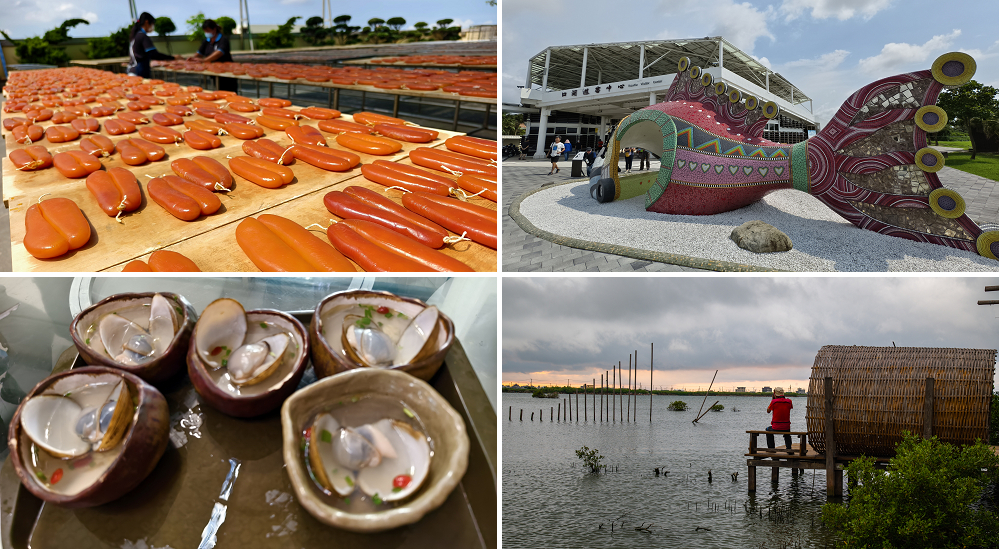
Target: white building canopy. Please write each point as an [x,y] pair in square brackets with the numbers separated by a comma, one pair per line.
[567,67]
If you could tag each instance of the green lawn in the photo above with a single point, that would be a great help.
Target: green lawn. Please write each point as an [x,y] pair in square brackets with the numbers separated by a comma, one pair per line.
[985,165]
[963,144]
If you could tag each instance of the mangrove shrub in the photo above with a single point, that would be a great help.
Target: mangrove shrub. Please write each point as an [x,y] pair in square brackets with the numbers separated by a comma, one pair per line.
[678,406]
[590,458]
[933,495]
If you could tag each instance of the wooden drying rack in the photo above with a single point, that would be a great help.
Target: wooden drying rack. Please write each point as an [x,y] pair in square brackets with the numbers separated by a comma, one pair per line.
[210,240]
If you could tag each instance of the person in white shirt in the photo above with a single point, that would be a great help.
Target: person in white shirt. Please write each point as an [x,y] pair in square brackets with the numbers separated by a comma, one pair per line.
[555,150]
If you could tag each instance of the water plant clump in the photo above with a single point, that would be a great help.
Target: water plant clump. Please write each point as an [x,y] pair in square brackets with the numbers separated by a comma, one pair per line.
[541,392]
[678,406]
[718,407]
[591,459]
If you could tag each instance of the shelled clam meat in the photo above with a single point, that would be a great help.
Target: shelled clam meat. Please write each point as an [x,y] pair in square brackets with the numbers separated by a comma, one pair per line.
[241,350]
[76,429]
[135,333]
[379,335]
[384,461]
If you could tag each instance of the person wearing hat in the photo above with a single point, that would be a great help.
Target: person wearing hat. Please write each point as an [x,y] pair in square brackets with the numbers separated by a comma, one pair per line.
[780,408]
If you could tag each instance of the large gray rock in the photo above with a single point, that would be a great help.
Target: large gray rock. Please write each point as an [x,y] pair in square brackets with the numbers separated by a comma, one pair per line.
[757,236]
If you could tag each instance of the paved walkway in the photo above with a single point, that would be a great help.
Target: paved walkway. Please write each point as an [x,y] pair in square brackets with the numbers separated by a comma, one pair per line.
[525,252]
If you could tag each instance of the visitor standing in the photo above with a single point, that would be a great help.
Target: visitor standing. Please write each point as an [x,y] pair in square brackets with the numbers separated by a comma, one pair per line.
[780,408]
[141,49]
[628,159]
[567,148]
[215,49]
[589,157]
[643,159]
[555,150]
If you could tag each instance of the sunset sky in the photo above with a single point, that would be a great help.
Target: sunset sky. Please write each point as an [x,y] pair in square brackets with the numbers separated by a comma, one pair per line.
[756,330]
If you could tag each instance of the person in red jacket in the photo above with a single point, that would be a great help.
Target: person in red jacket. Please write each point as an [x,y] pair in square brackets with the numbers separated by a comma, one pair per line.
[780,407]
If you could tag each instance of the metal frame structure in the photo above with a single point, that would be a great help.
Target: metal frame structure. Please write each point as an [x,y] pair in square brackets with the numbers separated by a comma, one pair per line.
[615,79]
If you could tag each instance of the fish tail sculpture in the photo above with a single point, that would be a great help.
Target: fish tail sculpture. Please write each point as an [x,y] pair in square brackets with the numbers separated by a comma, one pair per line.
[870,164]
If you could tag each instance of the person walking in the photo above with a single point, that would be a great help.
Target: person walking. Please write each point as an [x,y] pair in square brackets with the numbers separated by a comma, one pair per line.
[141,49]
[555,150]
[628,159]
[215,49]
[643,159]
[568,148]
[780,408]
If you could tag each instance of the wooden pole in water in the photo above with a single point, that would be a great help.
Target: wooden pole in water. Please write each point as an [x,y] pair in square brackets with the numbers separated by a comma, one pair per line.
[621,409]
[533,415]
[650,382]
[706,395]
[635,387]
[564,409]
[614,384]
[578,405]
[593,401]
[551,409]
[607,396]
[584,403]
[602,398]
[509,410]
[628,409]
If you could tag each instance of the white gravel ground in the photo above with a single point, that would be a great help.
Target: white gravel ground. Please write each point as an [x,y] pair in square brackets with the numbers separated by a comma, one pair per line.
[822,240]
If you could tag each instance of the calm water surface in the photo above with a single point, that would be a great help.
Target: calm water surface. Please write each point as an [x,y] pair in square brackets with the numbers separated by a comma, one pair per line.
[550,499]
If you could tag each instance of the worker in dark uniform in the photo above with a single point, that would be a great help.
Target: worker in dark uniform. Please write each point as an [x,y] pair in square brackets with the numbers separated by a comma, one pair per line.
[216,48]
[141,49]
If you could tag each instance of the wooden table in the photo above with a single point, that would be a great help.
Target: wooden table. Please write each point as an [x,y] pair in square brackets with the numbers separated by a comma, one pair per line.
[113,64]
[333,91]
[209,241]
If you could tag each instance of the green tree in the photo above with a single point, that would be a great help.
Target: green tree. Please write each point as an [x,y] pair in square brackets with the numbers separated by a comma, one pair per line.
[933,495]
[511,124]
[591,459]
[113,45]
[678,406]
[227,24]
[342,30]
[421,27]
[43,50]
[396,23]
[375,23]
[163,27]
[973,107]
[314,32]
[280,37]
[195,32]
[444,31]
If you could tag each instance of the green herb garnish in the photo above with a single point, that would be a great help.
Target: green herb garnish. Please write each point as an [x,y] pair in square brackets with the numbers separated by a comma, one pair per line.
[388,315]
[224,361]
[396,489]
[179,310]
[325,436]
[263,325]
[349,480]
[41,476]
[408,412]
[377,499]
[347,500]
[67,394]
[355,399]
[400,314]
[87,341]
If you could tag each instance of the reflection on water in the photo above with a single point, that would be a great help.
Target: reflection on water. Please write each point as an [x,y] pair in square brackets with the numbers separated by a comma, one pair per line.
[549,499]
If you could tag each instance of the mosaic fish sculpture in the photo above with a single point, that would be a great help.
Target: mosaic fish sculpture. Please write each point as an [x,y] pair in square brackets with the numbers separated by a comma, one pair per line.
[870,163]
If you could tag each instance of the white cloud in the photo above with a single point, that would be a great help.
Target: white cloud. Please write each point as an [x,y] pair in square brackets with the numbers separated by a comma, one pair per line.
[898,57]
[741,24]
[825,62]
[293,2]
[825,9]
[763,61]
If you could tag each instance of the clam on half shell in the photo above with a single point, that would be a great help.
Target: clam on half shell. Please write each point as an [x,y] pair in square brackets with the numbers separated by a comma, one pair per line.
[370,457]
[373,348]
[252,363]
[129,343]
[66,429]
[220,330]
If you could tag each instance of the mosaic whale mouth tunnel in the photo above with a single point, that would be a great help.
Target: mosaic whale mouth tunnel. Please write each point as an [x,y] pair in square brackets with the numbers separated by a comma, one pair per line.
[870,164]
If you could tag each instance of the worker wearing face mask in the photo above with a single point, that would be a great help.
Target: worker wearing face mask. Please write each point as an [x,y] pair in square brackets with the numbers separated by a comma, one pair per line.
[215,48]
[141,49]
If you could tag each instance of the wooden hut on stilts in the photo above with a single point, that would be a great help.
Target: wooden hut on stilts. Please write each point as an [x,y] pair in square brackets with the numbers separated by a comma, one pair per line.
[862,399]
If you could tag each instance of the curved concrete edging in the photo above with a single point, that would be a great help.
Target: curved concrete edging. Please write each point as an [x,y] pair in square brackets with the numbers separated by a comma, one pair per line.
[638,253]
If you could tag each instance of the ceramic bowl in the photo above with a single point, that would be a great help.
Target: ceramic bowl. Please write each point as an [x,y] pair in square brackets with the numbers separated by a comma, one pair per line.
[154,371]
[328,356]
[259,398]
[140,449]
[442,423]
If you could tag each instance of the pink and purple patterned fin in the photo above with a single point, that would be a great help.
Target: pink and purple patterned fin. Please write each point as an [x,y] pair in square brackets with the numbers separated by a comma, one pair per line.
[871,163]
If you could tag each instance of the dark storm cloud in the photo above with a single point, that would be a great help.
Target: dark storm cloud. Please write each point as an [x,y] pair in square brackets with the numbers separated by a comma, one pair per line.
[576,325]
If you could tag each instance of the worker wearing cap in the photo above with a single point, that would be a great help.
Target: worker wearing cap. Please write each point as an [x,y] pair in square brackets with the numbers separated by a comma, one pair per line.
[780,408]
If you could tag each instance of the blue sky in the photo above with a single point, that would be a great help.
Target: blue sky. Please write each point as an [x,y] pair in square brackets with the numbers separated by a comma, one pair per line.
[22,18]
[756,330]
[828,48]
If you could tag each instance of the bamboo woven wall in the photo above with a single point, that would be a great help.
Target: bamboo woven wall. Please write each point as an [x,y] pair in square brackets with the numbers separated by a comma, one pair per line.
[879,393]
